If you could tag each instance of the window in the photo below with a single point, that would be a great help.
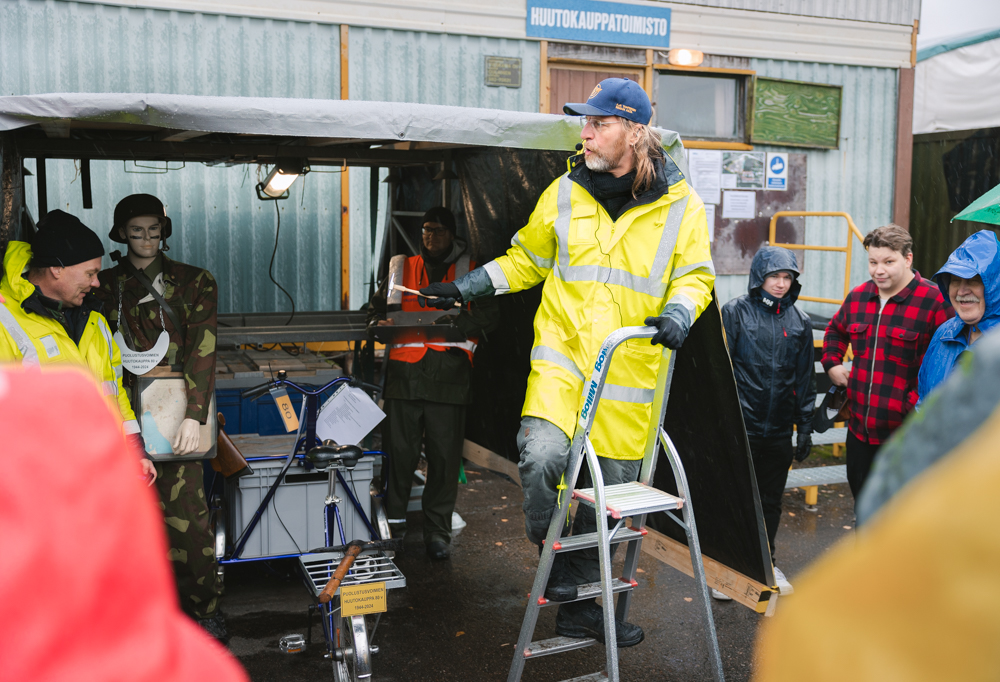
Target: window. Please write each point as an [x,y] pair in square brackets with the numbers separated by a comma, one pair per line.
[702,105]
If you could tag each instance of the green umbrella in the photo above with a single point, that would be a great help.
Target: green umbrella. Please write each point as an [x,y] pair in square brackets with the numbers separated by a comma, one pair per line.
[985,209]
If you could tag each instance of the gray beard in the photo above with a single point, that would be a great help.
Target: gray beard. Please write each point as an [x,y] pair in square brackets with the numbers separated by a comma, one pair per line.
[601,163]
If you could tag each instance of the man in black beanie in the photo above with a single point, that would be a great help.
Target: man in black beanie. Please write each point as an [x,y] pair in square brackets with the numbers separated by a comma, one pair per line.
[48,314]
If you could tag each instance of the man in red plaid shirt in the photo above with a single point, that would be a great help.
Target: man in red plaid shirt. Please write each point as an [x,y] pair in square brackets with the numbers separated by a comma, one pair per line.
[889,321]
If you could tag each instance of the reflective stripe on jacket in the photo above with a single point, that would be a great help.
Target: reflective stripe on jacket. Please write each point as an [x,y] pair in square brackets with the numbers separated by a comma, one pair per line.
[33,340]
[415,277]
[601,275]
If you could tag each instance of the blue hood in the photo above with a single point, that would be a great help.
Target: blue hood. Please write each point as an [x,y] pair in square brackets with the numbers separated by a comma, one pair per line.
[770,259]
[978,255]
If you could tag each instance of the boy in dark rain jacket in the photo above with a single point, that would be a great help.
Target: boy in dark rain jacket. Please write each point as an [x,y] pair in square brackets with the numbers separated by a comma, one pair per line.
[771,345]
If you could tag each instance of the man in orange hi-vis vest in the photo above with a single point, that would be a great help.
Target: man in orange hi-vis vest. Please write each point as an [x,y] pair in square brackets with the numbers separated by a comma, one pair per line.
[428,386]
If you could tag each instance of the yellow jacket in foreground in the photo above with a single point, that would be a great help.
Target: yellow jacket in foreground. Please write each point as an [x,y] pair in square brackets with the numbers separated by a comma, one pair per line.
[601,275]
[34,340]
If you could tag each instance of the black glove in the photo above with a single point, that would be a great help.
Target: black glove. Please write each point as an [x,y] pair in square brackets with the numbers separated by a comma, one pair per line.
[804,446]
[447,295]
[670,333]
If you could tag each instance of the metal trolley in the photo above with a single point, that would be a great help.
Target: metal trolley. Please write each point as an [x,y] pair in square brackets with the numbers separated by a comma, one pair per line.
[365,557]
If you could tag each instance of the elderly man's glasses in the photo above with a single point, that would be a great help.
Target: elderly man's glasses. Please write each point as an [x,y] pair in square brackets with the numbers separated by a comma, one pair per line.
[597,124]
[439,230]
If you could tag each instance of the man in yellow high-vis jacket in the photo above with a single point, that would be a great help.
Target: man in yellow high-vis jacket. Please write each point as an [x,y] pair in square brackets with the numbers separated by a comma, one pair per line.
[48,314]
[620,240]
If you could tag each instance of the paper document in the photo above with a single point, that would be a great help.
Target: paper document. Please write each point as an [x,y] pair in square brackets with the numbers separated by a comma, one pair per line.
[706,173]
[348,416]
[739,205]
[710,219]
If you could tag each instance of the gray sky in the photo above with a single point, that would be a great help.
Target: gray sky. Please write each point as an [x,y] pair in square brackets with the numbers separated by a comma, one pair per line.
[940,19]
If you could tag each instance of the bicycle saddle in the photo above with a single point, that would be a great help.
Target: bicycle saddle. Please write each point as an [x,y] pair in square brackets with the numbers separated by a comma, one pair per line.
[330,452]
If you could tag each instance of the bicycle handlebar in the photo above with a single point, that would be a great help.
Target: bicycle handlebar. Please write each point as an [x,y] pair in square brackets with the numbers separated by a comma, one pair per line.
[258,391]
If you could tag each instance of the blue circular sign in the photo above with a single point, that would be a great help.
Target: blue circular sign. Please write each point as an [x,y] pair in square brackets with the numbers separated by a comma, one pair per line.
[777,164]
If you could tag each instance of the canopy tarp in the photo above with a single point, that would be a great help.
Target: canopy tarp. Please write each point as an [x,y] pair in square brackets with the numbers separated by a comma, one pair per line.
[333,122]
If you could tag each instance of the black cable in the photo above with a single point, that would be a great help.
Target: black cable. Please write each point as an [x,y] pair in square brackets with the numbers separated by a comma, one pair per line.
[270,268]
[278,516]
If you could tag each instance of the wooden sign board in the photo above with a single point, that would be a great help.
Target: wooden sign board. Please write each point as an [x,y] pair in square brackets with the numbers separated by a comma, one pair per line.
[795,114]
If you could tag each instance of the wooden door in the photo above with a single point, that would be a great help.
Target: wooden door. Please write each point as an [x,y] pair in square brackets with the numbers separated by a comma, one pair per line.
[574,84]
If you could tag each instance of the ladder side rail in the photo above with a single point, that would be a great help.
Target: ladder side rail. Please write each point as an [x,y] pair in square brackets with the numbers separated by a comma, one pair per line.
[604,547]
[657,414]
[632,553]
[694,547]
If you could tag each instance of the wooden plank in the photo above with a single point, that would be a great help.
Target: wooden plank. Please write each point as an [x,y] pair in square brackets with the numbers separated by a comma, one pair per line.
[796,114]
[488,459]
[904,149]
[345,183]
[742,589]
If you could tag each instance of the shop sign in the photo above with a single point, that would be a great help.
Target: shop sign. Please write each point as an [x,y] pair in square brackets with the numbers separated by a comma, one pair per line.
[589,21]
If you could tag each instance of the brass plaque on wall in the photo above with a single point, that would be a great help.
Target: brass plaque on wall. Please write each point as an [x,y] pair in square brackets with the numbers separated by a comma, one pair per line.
[503,72]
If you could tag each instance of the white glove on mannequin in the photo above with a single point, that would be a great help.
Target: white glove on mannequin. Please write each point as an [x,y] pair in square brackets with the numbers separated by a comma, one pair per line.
[188,437]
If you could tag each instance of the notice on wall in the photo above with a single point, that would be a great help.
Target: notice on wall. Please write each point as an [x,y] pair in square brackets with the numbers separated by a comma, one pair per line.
[705,166]
[739,205]
[710,218]
[348,416]
[743,170]
[777,171]
[503,72]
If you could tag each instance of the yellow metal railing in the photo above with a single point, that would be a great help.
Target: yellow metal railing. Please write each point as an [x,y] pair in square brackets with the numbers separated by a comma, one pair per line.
[851,229]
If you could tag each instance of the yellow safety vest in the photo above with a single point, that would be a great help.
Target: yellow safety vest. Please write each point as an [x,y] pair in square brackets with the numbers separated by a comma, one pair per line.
[33,340]
[601,275]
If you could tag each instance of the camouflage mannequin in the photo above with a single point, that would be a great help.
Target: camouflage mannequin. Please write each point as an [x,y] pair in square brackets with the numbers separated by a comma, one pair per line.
[141,223]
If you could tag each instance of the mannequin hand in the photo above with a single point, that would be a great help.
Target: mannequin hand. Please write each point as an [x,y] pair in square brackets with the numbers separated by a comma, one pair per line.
[188,437]
[804,446]
[148,471]
[447,295]
[670,333]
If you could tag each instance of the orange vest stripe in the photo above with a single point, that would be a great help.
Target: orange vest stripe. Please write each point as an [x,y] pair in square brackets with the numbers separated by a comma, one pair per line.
[415,277]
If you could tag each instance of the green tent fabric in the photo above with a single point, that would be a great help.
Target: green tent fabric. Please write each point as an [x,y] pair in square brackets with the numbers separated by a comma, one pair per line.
[985,209]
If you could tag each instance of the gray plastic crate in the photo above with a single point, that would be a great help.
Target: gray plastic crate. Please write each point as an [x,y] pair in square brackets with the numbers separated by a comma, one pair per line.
[298,502]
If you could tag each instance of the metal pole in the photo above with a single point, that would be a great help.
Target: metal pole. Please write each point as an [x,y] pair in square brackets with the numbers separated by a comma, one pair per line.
[43,196]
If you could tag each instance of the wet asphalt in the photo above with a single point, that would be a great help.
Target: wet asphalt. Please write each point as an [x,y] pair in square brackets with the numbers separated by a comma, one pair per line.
[459,619]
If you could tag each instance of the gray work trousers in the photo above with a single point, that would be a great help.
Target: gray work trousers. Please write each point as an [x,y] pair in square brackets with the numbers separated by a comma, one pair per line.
[544,449]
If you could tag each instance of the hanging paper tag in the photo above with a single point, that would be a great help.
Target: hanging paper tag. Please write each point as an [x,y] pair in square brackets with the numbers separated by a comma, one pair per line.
[285,408]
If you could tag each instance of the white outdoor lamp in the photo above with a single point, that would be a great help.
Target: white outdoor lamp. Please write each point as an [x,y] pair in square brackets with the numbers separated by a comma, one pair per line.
[684,57]
[281,177]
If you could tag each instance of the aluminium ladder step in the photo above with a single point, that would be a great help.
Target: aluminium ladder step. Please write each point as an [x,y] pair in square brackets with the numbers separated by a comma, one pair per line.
[631,499]
[592,677]
[592,590]
[574,542]
[557,645]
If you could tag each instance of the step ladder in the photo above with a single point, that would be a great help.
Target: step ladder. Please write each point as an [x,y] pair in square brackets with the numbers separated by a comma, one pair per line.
[620,503]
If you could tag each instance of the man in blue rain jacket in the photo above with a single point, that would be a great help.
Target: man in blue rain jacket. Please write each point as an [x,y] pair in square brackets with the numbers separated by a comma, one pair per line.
[970,279]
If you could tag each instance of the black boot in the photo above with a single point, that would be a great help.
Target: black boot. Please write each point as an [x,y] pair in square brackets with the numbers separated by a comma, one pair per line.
[561,585]
[215,625]
[586,619]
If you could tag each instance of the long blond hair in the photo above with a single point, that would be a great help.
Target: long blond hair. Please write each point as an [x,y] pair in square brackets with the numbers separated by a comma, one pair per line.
[646,149]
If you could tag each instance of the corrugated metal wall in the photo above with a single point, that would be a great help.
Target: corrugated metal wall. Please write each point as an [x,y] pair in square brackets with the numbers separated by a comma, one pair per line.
[857,178]
[218,221]
[879,11]
[429,68]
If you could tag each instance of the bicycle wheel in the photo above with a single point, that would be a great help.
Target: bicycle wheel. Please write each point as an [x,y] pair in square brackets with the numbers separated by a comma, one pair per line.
[353,661]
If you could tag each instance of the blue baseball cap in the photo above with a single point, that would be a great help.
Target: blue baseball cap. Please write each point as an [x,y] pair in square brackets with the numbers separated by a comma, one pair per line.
[615,97]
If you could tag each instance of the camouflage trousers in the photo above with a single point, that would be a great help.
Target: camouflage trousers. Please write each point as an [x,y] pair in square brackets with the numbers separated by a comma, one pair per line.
[192,542]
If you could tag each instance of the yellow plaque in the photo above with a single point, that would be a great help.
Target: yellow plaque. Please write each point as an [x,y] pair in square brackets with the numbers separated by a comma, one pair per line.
[284,404]
[357,600]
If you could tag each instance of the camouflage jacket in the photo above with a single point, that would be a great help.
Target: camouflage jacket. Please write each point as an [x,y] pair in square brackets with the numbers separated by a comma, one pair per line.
[193,295]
